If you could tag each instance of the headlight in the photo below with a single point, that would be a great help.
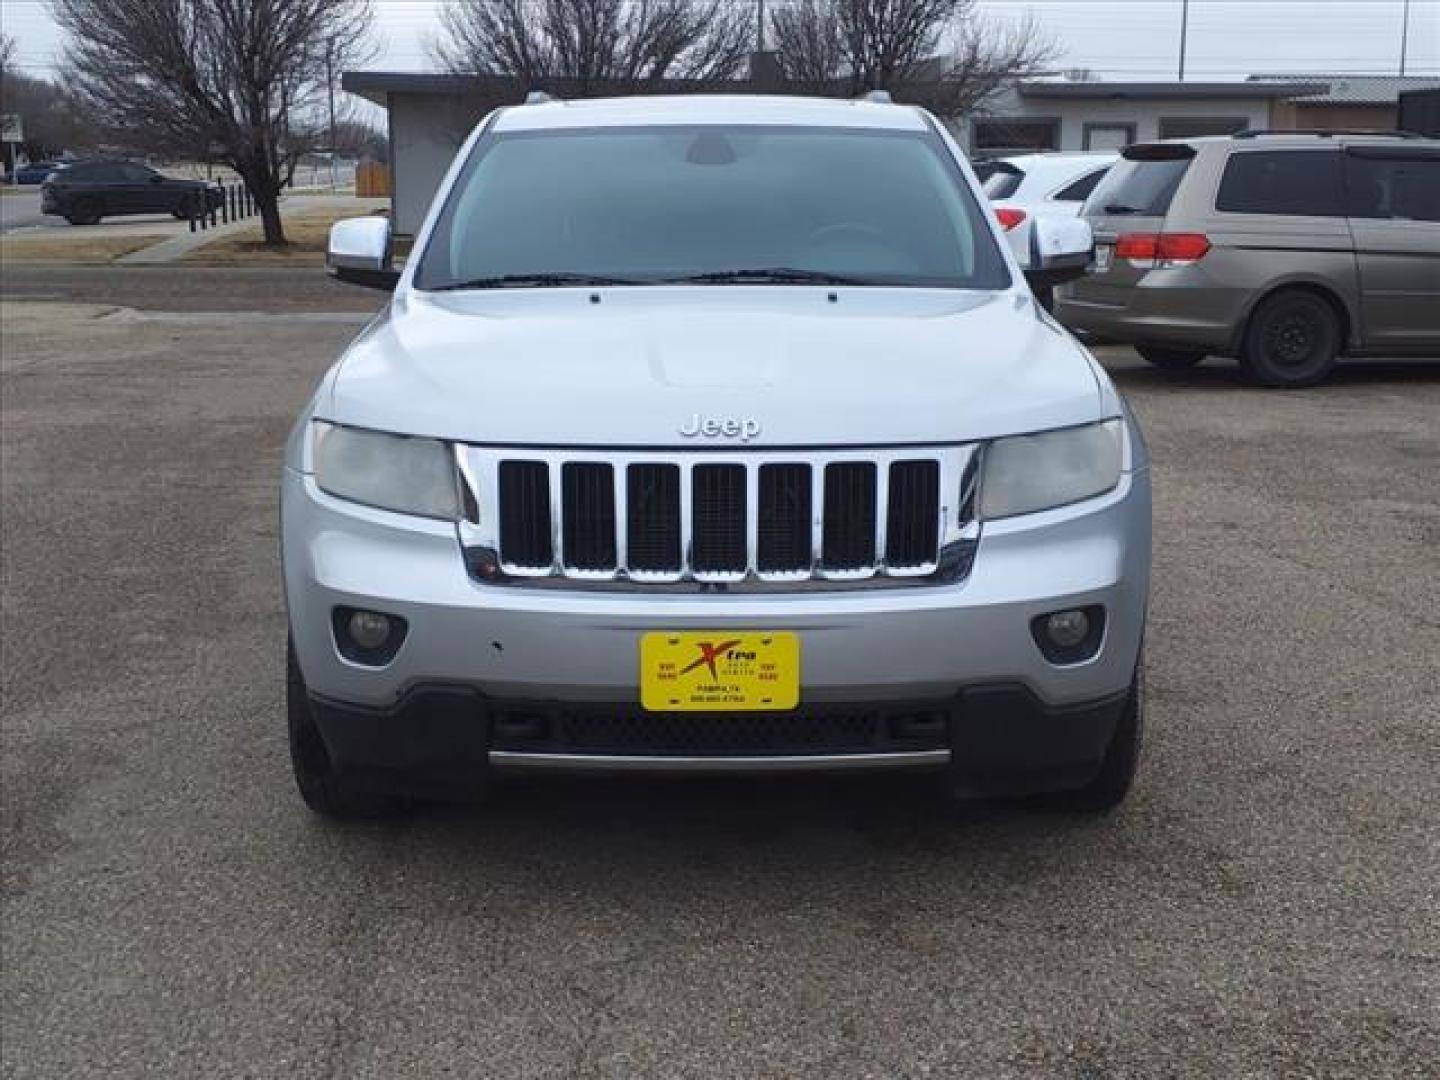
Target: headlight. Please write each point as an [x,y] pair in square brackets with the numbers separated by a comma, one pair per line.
[1038,472]
[394,472]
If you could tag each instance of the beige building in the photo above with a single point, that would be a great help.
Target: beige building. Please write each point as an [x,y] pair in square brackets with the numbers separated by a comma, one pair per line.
[1060,115]
[1365,102]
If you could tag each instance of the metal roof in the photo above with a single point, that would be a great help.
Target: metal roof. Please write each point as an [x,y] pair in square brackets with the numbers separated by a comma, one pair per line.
[376,85]
[1250,88]
[1353,89]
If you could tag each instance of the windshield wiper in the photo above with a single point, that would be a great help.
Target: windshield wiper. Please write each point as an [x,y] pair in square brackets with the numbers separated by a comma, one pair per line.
[788,275]
[532,281]
[1122,208]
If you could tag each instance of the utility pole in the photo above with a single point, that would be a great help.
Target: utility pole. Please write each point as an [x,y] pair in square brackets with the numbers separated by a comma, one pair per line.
[330,91]
[1184,25]
[760,26]
[1404,35]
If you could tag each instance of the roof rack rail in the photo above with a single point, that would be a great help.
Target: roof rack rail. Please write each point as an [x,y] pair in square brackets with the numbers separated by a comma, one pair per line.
[879,97]
[539,97]
[1250,133]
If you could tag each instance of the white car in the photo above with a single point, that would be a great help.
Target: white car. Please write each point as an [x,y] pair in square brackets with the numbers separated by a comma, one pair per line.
[1029,186]
[713,433]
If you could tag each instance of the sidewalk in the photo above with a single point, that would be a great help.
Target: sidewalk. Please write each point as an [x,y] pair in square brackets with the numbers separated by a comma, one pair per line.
[182,244]
[293,207]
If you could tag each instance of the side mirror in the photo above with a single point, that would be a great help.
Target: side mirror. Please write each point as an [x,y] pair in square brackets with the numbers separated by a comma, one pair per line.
[360,253]
[1061,250]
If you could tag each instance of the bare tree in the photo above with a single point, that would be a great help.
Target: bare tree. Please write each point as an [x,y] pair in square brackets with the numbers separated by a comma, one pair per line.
[594,46]
[234,80]
[940,53]
[810,37]
[52,122]
[7,53]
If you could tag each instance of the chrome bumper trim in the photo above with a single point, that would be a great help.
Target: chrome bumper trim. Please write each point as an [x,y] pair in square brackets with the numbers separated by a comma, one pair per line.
[520,761]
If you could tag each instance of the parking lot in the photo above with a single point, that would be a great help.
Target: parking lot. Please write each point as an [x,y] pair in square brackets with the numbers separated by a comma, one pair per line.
[1265,905]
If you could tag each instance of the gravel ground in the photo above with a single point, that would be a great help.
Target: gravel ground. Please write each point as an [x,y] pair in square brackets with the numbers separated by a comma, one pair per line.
[1263,906]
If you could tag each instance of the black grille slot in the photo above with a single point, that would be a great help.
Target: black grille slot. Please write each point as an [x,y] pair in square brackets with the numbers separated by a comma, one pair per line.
[912,521]
[622,730]
[589,523]
[849,536]
[784,525]
[525,538]
[718,520]
[653,518]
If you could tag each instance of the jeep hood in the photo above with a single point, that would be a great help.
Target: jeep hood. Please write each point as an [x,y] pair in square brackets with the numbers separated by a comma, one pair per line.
[632,366]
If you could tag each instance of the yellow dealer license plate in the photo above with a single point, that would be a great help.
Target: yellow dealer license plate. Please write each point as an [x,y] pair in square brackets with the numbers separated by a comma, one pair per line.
[719,672]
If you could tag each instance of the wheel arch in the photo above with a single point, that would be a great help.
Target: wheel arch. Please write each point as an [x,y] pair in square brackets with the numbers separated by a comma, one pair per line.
[1349,318]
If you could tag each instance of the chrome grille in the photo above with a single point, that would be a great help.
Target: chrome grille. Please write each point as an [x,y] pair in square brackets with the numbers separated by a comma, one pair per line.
[717,541]
[849,529]
[525,533]
[653,521]
[775,519]
[589,515]
[783,543]
[913,513]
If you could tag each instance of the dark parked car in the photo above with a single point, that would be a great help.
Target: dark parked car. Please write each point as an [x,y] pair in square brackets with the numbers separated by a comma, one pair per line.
[86,191]
[34,172]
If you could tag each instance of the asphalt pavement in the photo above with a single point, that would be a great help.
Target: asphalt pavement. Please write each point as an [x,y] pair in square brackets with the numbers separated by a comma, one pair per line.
[1264,906]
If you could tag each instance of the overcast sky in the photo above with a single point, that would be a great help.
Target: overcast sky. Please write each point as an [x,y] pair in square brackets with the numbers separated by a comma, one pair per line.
[1119,39]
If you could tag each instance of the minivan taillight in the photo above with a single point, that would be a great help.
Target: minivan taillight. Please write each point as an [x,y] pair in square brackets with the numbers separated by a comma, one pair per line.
[1009,217]
[1162,249]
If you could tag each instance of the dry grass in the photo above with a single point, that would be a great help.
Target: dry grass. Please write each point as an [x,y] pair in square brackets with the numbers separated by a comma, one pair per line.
[308,234]
[86,249]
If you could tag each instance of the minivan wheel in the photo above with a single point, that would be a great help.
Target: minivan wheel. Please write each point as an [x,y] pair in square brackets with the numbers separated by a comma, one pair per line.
[1293,340]
[320,786]
[1170,359]
[1122,759]
[84,212]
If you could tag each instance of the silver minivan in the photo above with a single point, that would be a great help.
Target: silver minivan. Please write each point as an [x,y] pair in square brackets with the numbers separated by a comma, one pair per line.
[1284,250]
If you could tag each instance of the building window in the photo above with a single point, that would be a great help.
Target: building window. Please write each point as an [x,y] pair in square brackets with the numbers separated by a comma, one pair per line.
[1108,136]
[1197,127]
[997,135]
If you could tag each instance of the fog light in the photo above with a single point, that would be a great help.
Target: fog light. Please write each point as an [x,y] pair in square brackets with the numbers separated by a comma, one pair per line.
[1067,629]
[370,630]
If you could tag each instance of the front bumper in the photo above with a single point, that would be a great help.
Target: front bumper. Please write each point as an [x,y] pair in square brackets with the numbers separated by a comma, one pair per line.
[993,740]
[487,649]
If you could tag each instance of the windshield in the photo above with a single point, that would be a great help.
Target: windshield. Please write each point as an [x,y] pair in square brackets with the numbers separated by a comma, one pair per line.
[1144,186]
[724,205]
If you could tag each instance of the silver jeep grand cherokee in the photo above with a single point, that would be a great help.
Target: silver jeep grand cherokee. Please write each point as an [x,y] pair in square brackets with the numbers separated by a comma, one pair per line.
[713,433]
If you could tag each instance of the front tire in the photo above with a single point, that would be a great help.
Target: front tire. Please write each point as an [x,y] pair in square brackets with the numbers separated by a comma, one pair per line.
[1293,340]
[1122,760]
[323,790]
[84,212]
[1170,359]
